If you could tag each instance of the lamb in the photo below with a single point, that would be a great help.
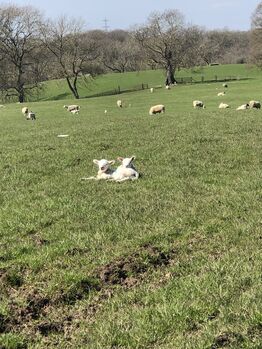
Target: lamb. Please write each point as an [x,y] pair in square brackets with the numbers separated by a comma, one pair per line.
[221,94]
[119,103]
[223,106]
[151,89]
[104,170]
[31,116]
[74,108]
[159,108]
[254,104]
[125,171]
[225,85]
[198,104]
[243,107]
[25,111]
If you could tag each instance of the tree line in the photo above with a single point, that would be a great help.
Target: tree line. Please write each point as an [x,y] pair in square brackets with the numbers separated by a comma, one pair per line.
[34,49]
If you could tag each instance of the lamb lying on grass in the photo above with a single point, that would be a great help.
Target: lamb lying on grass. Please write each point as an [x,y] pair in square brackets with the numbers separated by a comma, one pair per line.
[126,170]
[104,170]
[123,172]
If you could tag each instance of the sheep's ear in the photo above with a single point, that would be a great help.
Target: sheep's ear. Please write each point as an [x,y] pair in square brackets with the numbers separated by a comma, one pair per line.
[111,162]
[133,158]
[95,161]
[120,159]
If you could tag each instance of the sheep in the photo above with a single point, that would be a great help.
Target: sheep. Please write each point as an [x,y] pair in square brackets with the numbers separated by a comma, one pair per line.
[254,104]
[221,94]
[31,116]
[168,87]
[119,103]
[104,170]
[74,108]
[198,104]
[160,108]
[223,106]
[225,85]
[125,171]
[151,89]
[243,107]
[25,111]
[105,111]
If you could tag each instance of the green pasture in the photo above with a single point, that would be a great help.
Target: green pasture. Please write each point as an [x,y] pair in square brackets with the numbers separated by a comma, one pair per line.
[58,89]
[170,261]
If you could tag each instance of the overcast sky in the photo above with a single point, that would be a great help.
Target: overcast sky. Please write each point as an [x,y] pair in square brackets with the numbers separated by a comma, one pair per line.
[122,14]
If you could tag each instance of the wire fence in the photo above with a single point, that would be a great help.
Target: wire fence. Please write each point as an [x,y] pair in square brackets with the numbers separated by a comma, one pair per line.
[180,80]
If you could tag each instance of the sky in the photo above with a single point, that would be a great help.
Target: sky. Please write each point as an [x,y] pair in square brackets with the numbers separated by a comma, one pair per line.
[123,14]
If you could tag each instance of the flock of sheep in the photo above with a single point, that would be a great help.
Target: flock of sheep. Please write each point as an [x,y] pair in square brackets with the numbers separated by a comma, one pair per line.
[126,169]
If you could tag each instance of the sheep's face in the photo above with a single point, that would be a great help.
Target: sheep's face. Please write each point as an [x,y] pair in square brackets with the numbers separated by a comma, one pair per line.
[126,162]
[103,164]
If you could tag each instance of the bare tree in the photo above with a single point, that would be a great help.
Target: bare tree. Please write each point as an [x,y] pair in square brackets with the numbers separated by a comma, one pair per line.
[71,47]
[165,39]
[256,35]
[18,45]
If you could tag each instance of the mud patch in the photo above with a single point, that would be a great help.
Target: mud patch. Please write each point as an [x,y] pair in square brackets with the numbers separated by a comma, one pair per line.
[227,338]
[128,270]
[78,291]
[45,328]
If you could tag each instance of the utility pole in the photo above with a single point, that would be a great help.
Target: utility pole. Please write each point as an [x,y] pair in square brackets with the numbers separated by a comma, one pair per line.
[106,26]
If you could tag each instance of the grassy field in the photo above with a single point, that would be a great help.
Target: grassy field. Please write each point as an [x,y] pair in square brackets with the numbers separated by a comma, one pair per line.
[172,260]
[58,89]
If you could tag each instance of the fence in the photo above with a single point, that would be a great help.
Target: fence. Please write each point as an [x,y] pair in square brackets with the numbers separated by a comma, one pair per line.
[180,80]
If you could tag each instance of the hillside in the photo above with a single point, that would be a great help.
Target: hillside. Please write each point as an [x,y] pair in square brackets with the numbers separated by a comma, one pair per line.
[172,260]
[57,89]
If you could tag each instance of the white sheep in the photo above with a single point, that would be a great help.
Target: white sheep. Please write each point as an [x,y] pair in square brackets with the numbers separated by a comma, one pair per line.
[243,107]
[151,89]
[159,108]
[223,106]
[119,103]
[198,104]
[105,111]
[31,116]
[221,94]
[125,171]
[225,85]
[254,104]
[25,111]
[104,170]
[74,108]
[168,87]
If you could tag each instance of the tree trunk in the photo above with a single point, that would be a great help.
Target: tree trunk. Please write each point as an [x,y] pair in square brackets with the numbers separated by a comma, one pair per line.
[72,89]
[170,75]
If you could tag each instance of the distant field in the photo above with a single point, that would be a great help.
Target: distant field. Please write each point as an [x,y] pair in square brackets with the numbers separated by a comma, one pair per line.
[172,260]
[57,89]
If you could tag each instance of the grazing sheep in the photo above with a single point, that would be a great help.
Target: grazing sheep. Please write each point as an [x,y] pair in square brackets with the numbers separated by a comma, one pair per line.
[119,103]
[225,85]
[198,104]
[25,111]
[31,116]
[243,107]
[223,106]
[74,108]
[125,171]
[160,108]
[151,89]
[254,105]
[221,94]
[105,111]
[104,170]
[168,87]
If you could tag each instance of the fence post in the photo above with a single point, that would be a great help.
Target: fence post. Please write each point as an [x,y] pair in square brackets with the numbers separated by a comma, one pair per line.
[142,86]
[216,77]
[119,89]
[202,78]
